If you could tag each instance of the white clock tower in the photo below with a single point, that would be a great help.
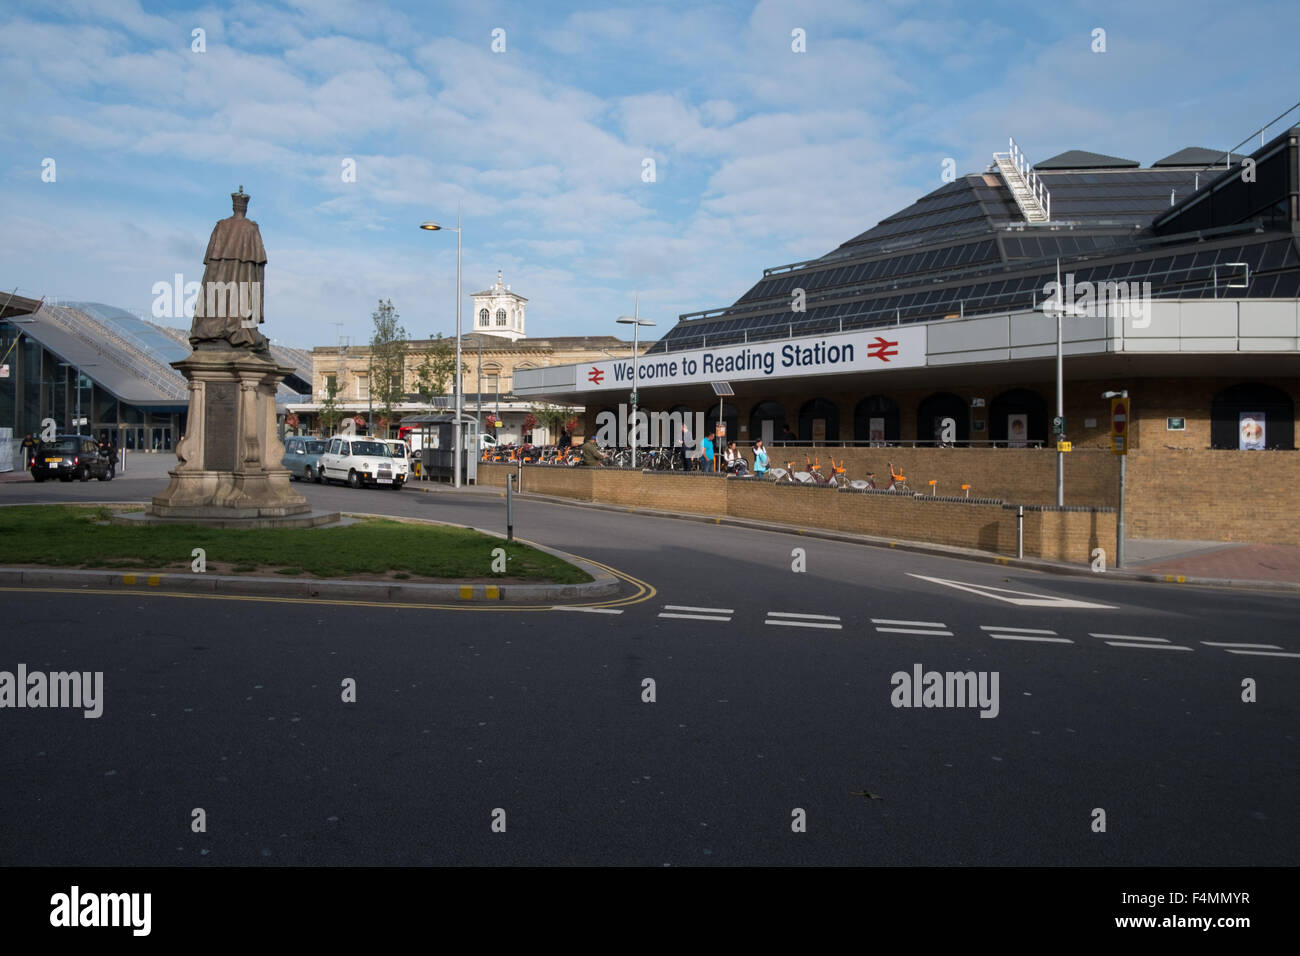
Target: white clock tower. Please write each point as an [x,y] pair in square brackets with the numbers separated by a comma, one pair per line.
[498,311]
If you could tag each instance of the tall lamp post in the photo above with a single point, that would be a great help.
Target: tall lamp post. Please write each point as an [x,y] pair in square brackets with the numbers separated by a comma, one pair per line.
[636,322]
[434,227]
[1123,460]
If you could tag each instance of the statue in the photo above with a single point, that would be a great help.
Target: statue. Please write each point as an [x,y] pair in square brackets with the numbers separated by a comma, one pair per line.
[229,307]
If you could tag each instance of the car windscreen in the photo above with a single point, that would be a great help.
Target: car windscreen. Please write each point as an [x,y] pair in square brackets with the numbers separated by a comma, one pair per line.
[378,449]
[399,451]
[64,446]
[315,447]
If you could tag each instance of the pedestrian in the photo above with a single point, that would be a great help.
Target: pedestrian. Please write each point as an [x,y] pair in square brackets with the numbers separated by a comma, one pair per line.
[29,451]
[736,463]
[706,452]
[592,453]
[760,459]
[786,434]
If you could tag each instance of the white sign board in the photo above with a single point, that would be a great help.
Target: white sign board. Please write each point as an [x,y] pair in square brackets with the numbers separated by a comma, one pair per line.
[861,351]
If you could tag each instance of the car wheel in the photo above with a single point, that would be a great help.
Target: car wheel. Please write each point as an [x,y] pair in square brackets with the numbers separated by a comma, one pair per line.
[397,485]
[354,479]
[36,477]
[85,473]
[306,473]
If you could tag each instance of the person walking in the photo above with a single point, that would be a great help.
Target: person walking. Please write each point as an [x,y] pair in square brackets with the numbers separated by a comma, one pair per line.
[29,450]
[706,452]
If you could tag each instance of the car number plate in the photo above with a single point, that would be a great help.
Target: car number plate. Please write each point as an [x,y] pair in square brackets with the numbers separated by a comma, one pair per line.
[53,461]
[385,481]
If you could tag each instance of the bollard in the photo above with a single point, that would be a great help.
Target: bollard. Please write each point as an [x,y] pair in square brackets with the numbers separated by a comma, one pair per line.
[934,487]
[1020,531]
[966,488]
[510,508]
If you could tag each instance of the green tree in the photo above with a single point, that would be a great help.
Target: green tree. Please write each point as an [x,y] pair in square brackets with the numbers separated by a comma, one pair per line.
[388,348]
[555,418]
[329,409]
[437,368]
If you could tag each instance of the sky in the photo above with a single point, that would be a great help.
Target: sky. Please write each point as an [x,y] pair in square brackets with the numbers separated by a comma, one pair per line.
[122,137]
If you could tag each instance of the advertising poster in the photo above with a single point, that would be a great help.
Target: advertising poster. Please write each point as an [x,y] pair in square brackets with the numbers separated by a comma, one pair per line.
[1251,431]
[1017,429]
[877,429]
[819,429]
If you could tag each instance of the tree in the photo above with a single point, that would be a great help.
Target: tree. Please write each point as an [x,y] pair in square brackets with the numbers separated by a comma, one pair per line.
[388,347]
[554,417]
[329,409]
[437,368]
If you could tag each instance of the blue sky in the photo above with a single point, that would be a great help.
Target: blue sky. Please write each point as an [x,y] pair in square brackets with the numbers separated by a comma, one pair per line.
[763,156]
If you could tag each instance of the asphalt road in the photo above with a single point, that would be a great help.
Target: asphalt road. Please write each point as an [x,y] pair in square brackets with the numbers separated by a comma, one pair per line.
[234,706]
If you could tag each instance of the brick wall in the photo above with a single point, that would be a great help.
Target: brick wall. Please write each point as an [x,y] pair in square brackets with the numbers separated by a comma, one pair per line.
[1194,494]
[1064,536]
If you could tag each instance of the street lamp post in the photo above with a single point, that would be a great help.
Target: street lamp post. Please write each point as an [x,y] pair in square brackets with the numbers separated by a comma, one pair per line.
[636,322]
[1123,461]
[455,468]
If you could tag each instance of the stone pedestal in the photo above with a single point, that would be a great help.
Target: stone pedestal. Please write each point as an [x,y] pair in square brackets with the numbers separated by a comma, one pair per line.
[231,453]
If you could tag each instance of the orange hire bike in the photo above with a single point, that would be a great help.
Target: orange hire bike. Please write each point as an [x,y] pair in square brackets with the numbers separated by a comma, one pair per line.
[898,481]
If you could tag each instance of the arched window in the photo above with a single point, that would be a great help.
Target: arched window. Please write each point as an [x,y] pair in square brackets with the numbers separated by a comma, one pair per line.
[730,417]
[934,409]
[819,420]
[1249,415]
[875,419]
[482,316]
[767,421]
[1018,416]
[501,316]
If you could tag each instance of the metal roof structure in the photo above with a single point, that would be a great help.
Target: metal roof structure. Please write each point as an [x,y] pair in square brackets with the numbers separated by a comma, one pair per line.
[1082,159]
[967,248]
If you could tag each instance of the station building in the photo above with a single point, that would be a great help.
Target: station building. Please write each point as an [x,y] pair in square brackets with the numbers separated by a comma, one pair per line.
[84,360]
[1179,283]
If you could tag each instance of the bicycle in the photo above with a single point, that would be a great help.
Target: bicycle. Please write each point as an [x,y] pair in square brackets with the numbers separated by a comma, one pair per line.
[781,474]
[898,482]
[815,473]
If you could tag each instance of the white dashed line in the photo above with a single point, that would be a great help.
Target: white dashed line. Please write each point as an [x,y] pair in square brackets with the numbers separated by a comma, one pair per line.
[1262,653]
[588,610]
[721,614]
[1031,637]
[1150,647]
[919,628]
[1129,637]
[1258,647]
[810,617]
[833,627]
[1014,630]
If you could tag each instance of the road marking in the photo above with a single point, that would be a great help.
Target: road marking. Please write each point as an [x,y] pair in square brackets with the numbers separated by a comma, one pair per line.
[588,610]
[1035,634]
[1129,637]
[698,617]
[1265,647]
[1150,647]
[1263,653]
[702,610]
[788,619]
[1027,598]
[1031,637]
[918,628]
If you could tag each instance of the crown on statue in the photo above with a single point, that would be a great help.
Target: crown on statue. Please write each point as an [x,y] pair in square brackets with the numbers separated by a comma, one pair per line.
[240,200]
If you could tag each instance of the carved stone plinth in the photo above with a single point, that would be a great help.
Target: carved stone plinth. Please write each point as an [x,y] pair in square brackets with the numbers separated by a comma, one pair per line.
[230,455]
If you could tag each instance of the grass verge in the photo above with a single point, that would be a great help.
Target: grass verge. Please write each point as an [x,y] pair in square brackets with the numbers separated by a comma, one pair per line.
[70,536]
